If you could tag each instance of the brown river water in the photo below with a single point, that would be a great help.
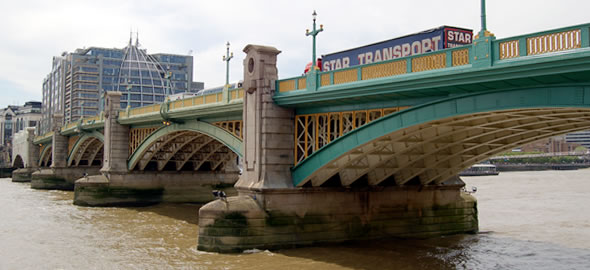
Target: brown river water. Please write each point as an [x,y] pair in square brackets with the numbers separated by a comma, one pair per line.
[528,220]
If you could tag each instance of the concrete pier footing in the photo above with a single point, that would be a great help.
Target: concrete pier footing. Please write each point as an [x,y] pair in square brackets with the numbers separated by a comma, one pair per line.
[286,218]
[60,178]
[23,175]
[145,188]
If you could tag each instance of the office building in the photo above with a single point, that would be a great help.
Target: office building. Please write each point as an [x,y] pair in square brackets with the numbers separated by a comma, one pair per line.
[76,84]
[582,138]
[16,118]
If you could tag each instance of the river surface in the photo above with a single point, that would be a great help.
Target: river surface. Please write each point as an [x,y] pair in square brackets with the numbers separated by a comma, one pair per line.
[528,220]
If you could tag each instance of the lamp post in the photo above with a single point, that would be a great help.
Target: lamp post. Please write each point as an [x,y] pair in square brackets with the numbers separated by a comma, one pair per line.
[314,33]
[226,58]
[483,16]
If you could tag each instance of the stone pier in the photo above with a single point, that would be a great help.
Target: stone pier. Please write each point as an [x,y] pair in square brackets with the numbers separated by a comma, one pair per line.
[115,185]
[22,175]
[23,143]
[270,212]
[60,178]
[145,188]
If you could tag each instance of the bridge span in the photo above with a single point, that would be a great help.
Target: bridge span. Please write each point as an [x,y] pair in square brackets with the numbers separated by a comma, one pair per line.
[358,153]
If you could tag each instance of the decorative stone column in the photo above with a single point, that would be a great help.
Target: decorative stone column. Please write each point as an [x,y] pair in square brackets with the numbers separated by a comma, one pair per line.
[268,128]
[271,213]
[59,150]
[116,137]
[33,149]
[30,155]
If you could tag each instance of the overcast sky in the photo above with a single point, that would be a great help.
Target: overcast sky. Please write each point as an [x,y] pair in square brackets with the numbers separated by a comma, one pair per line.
[33,31]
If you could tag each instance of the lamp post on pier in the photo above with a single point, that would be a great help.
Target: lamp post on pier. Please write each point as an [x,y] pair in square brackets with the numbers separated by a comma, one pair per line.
[314,33]
[227,58]
[312,78]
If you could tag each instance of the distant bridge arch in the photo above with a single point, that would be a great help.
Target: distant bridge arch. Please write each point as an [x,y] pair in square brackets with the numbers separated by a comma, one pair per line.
[432,142]
[45,158]
[18,162]
[191,145]
[88,149]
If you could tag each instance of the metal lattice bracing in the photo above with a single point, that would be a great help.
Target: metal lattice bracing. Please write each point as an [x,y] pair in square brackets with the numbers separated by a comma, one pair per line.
[313,131]
[45,158]
[189,146]
[435,151]
[137,135]
[431,143]
[185,150]
[89,152]
[234,127]
[86,150]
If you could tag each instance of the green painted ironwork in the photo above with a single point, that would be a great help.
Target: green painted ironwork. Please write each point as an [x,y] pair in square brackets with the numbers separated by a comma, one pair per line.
[84,137]
[314,32]
[232,142]
[485,51]
[44,152]
[227,58]
[564,96]
[312,75]
[483,16]
[359,72]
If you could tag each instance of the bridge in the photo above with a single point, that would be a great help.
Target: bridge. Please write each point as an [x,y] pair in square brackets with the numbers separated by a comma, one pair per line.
[364,152]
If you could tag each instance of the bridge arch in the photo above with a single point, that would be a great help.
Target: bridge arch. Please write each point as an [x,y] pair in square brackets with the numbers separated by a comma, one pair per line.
[430,143]
[87,149]
[18,162]
[45,158]
[182,145]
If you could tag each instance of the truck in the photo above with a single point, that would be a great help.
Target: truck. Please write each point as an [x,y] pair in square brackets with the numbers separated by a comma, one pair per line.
[426,41]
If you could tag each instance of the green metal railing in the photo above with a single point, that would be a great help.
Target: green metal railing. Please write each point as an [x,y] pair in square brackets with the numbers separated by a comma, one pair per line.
[556,40]
[428,61]
[233,94]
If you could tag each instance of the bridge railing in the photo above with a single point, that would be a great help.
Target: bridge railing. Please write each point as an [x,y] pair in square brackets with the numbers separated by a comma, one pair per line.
[44,137]
[411,64]
[233,94]
[556,40]
[140,110]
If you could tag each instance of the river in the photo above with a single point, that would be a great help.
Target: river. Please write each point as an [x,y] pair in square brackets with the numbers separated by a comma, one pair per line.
[528,220]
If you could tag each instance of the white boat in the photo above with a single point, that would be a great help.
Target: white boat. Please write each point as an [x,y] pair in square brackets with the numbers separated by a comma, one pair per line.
[480,169]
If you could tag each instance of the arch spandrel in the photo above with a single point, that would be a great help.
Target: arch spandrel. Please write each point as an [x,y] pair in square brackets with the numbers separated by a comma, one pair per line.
[85,144]
[181,134]
[45,155]
[438,139]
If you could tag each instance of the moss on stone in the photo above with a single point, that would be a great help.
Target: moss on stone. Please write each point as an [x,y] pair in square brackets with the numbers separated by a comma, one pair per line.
[53,180]
[222,186]
[124,193]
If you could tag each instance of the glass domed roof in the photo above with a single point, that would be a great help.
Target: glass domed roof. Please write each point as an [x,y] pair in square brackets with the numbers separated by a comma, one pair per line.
[141,78]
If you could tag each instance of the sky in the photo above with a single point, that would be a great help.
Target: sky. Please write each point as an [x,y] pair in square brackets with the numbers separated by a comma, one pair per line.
[33,31]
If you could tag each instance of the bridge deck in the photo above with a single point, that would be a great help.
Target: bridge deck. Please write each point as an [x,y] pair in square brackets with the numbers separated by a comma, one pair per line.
[446,72]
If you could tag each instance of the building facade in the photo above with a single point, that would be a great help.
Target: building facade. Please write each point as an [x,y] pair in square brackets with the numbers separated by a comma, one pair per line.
[582,138]
[14,119]
[76,85]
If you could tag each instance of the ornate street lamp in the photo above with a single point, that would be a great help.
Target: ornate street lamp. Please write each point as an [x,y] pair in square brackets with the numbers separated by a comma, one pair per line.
[314,33]
[226,58]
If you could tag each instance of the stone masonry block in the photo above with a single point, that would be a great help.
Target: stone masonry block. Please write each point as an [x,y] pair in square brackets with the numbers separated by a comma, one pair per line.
[277,156]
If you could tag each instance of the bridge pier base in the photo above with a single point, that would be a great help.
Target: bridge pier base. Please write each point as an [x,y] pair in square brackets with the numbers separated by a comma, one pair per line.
[22,175]
[60,178]
[287,218]
[145,188]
